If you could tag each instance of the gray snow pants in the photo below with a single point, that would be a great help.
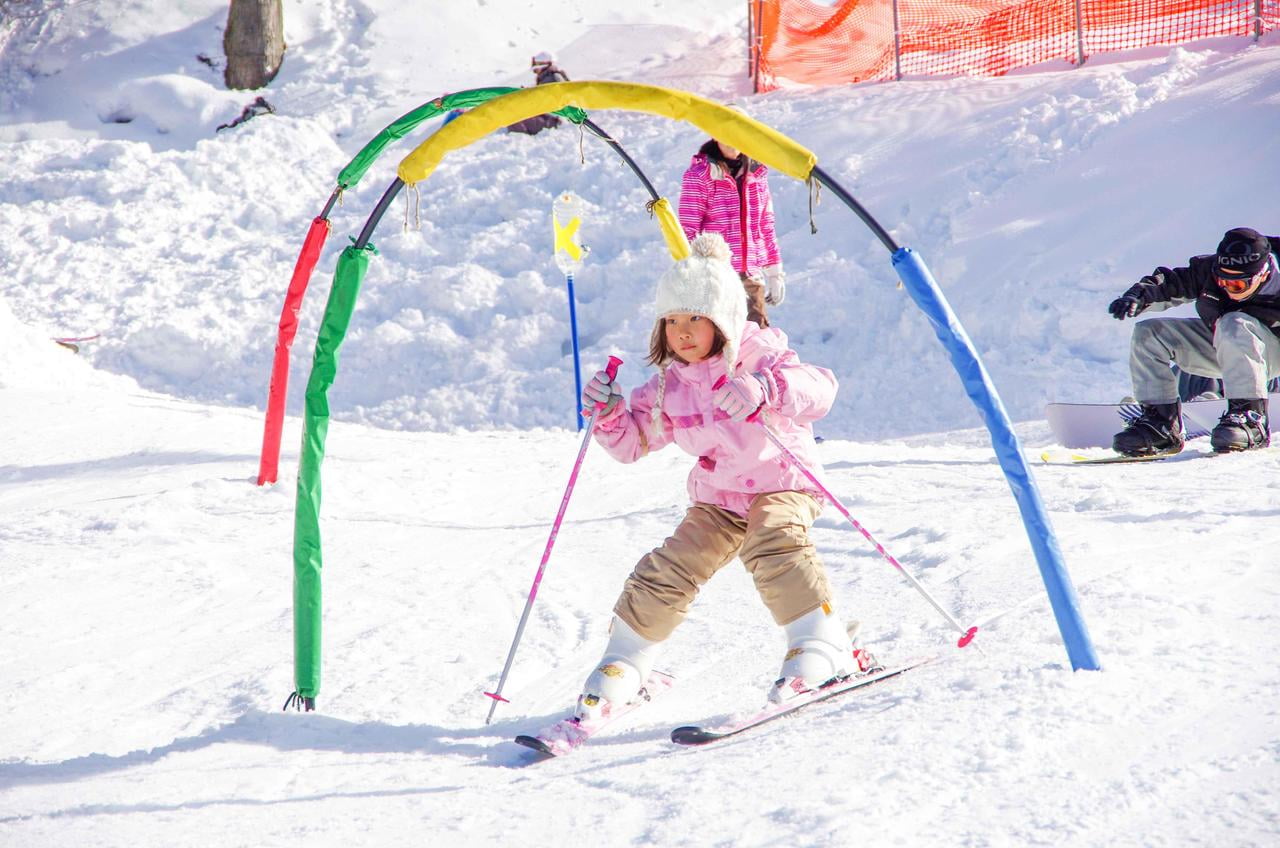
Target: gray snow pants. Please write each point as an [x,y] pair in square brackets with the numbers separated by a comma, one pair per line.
[1241,350]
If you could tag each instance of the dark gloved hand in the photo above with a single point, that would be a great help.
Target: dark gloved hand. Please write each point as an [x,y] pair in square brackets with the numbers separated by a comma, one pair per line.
[1138,297]
[1126,306]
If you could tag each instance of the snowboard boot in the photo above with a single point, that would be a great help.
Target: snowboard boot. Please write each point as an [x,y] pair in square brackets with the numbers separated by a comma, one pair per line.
[621,674]
[1243,426]
[820,650]
[1157,430]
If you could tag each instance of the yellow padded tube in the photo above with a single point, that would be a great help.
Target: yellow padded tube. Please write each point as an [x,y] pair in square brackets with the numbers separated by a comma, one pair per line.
[672,232]
[760,142]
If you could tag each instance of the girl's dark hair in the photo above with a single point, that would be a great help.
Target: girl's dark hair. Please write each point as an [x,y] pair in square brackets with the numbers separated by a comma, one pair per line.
[711,149]
[660,353]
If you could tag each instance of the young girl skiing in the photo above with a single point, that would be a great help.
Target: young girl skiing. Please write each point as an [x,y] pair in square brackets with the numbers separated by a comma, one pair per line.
[718,374]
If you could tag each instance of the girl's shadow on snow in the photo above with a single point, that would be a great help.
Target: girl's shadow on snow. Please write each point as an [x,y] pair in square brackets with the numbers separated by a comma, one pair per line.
[293,732]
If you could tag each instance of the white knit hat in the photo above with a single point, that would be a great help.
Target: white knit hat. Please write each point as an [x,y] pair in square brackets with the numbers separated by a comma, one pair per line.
[704,283]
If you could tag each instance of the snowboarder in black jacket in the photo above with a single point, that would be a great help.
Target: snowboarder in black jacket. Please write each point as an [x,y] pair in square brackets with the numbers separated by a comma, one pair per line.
[1236,337]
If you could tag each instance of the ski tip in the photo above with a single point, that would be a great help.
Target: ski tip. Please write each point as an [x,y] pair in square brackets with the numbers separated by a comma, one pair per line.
[535,744]
[692,736]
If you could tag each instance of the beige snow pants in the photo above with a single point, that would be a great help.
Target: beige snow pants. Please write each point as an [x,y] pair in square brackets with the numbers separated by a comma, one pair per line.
[772,541]
[756,309]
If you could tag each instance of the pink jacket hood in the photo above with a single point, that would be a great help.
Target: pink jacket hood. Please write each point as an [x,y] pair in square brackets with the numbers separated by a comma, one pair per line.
[736,461]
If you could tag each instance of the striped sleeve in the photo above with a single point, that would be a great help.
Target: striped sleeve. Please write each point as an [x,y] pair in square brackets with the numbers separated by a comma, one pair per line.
[694,193]
[771,254]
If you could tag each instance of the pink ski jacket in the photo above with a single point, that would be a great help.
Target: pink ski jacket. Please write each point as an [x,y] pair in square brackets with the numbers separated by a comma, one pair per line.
[736,461]
[710,201]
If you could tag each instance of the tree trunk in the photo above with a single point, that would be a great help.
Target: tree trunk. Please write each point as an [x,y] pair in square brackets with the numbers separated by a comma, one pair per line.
[253,42]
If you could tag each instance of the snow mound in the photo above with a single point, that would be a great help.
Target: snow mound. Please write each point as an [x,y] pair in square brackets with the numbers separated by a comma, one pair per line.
[31,360]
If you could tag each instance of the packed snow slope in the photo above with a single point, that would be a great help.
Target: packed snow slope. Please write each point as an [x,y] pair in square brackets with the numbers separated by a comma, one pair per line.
[145,582]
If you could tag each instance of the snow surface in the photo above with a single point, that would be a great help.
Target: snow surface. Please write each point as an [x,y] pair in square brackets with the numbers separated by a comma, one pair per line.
[145,582]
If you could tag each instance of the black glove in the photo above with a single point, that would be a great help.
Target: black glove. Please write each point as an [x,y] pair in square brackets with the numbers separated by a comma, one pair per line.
[1134,301]
[1126,306]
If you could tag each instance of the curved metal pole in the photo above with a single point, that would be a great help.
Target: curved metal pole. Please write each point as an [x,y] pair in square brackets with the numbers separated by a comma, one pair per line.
[617,148]
[392,190]
[838,190]
[333,198]
[378,211]
[977,383]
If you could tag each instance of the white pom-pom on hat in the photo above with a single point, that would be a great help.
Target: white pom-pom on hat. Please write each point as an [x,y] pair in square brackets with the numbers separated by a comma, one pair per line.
[711,246]
[704,283]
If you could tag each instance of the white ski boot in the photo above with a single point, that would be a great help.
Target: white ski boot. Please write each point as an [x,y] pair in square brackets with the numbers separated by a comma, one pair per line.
[820,650]
[618,679]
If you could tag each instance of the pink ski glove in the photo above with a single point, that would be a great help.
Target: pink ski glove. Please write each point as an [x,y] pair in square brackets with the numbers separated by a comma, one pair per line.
[601,389]
[743,396]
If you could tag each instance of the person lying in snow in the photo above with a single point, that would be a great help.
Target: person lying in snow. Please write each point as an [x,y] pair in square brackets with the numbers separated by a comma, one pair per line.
[259,106]
[1237,296]
[544,68]
[717,371]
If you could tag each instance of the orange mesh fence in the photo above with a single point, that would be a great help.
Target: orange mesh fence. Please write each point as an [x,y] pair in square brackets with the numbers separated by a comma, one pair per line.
[984,39]
[805,42]
[808,42]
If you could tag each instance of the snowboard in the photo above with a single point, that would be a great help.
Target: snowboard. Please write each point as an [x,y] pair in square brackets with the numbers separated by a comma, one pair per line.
[1093,425]
[1069,458]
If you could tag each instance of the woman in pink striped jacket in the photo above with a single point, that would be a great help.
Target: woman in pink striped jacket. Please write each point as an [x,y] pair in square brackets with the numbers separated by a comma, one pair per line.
[725,192]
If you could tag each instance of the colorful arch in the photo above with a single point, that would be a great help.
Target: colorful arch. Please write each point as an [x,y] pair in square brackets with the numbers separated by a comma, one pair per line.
[313,243]
[761,143]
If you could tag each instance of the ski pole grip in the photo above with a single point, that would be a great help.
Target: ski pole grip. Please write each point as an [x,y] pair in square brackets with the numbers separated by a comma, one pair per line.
[612,370]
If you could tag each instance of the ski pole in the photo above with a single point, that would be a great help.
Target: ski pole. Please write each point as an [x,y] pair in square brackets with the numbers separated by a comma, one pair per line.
[612,370]
[966,634]
[573,335]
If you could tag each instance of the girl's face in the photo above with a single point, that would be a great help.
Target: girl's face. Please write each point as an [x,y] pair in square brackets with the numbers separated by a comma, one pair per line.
[690,336]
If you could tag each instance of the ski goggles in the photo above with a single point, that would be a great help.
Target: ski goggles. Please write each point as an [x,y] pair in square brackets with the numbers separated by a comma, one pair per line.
[1241,284]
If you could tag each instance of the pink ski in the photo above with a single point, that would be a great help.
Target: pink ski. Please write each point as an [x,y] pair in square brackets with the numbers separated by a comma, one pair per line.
[567,734]
[701,735]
